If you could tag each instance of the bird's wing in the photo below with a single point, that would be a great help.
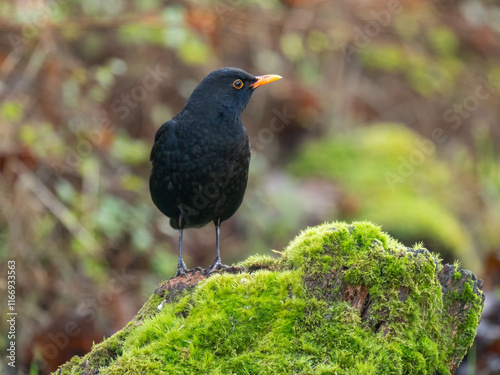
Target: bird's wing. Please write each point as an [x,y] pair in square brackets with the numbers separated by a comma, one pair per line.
[163,130]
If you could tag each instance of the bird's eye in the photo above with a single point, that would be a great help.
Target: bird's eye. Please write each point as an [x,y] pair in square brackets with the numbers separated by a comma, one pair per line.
[238,84]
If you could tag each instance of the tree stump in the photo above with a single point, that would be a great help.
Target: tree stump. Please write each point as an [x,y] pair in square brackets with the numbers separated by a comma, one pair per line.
[342,299]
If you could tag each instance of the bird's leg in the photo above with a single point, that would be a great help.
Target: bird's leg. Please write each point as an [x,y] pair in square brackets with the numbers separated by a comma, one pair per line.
[181,266]
[216,265]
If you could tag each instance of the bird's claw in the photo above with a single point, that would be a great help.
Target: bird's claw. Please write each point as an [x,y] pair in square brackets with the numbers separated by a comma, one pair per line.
[214,267]
[181,271]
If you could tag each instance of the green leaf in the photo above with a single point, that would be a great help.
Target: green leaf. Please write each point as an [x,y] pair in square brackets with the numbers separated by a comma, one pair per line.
[131,151]
[11,110]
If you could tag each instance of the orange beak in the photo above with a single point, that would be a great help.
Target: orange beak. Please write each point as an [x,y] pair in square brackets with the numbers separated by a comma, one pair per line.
[263,80]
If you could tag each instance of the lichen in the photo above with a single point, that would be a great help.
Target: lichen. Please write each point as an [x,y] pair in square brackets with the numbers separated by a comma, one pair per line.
[288,315]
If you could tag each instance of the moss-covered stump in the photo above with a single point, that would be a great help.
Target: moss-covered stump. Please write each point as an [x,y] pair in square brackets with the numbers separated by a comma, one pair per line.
[342,299]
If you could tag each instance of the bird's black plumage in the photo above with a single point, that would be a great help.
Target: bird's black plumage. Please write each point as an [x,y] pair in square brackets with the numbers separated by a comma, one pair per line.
[201,157]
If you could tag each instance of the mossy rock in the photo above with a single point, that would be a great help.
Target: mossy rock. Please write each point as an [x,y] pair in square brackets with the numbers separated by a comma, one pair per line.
[342,299]
[393,174]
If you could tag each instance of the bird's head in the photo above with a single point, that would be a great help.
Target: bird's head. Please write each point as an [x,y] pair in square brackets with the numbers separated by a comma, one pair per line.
[228,89]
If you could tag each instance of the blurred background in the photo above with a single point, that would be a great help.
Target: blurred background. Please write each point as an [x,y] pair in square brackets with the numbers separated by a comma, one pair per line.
[388,111]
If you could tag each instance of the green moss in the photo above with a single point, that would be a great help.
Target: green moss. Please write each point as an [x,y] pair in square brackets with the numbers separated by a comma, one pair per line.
[288,317]
[104,353]
[392,172]
[471,302]
[260,262]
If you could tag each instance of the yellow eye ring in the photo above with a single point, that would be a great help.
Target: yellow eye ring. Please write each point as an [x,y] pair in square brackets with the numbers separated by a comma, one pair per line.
[238,84]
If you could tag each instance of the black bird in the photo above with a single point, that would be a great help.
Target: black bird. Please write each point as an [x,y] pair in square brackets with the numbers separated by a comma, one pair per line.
[201,157]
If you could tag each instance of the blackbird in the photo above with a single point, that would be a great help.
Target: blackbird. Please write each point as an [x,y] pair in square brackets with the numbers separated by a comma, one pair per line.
[201,157]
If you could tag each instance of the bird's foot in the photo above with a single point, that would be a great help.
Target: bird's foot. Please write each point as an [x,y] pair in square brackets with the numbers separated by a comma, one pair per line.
[214,267]
[181,269]
[181,272]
